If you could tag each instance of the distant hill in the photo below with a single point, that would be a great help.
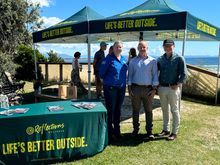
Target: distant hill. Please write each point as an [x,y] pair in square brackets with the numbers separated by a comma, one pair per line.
[65,56]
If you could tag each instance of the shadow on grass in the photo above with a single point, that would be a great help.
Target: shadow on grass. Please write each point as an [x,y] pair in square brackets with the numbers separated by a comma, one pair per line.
[128,140]
[126,110]
[200,99]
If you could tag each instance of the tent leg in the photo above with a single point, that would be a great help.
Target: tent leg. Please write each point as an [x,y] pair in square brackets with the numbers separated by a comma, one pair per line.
[183,52]
[35,62]
[89,66]
[184,42]
[216,95]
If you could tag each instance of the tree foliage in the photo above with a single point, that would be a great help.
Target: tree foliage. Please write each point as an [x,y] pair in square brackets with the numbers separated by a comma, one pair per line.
[53,57]
[18,19]
[25,63]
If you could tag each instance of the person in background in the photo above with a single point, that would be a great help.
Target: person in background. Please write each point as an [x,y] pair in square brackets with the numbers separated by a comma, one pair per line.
[75,74]
[172,73]
[99,56]
[37,88]
[110,51]
[113,71]
[142,85]
[132,54]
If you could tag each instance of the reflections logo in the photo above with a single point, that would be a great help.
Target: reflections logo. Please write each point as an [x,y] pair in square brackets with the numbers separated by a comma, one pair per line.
[30,130]
[45,128]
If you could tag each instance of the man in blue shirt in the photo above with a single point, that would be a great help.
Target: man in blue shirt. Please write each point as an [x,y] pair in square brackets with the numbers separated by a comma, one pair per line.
[172,74]
[113,71]
[142,84]
[99,56]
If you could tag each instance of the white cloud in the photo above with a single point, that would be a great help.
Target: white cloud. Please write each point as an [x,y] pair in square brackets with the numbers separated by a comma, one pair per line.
[50,21]
[42,3]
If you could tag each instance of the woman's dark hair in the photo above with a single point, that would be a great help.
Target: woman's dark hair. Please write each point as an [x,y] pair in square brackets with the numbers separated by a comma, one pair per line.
[77,54]
[133,52]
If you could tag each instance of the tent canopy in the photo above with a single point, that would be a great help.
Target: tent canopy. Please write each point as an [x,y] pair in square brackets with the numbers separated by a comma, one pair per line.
[75,25]
[150,8]
[152,20]
[157,20]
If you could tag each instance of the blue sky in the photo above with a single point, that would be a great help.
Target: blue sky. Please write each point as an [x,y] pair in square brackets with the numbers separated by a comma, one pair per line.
[54,11]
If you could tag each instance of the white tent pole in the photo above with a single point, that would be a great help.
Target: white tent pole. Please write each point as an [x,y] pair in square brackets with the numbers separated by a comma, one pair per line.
[216,95]
[35,62]
[183,52]
[89,56]
[184,42]
[89,66]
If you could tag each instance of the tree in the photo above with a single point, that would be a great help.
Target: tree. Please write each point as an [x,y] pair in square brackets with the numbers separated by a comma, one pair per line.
[18,19]
[53,57]
[25,63]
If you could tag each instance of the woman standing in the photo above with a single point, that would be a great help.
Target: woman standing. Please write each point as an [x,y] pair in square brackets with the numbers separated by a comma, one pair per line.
[113,71]
[132,54]
[75,75]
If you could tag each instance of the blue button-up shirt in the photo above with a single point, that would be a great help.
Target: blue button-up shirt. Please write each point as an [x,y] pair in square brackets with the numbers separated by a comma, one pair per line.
[99,56]
[143,71]
[172,70]
[113,72]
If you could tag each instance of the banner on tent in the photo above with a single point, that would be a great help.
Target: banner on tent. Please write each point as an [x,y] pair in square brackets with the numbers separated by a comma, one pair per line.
[130,24]
[159,22]
[180,35]
[61,31]
[57,32]
[206,28]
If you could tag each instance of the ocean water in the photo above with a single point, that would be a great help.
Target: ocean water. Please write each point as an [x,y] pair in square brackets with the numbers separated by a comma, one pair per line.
[209,63]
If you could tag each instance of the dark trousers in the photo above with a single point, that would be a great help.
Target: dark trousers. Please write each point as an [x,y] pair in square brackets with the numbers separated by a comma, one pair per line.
[141,96]
[114,98]
[98,84]
[75,79]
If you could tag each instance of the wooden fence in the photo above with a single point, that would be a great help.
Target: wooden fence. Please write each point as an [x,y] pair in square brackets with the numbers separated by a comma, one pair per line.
[200,82]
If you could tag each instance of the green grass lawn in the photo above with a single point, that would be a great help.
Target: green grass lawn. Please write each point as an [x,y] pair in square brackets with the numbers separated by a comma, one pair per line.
[198,141]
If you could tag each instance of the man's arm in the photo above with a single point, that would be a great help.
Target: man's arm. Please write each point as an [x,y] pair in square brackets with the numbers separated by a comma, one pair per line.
[182,71]
[155,81]
[94,62]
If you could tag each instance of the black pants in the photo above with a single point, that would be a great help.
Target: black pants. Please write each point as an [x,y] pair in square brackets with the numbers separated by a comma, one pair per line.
[114,98]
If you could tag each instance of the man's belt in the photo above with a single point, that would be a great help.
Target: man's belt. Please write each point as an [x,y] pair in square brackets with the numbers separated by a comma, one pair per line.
[145,86]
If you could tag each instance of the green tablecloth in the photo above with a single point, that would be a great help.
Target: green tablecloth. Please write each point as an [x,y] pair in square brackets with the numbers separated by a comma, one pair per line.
[41,135]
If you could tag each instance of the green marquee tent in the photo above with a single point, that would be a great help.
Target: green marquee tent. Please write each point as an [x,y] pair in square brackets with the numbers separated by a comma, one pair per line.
[72,30]
[64,32]
[154,20]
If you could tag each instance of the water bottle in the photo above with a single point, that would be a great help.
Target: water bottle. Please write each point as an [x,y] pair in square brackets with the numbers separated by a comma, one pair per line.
[1,101]
[39,89]
[6,102]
